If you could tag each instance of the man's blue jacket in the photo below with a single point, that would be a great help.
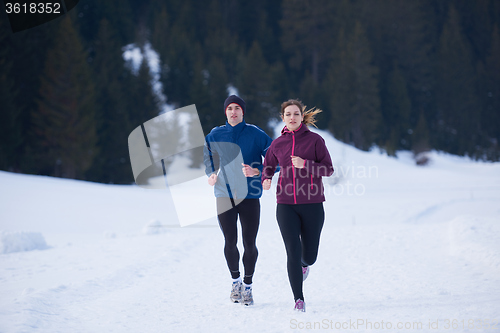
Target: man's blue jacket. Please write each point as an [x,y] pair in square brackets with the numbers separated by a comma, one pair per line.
[226,148]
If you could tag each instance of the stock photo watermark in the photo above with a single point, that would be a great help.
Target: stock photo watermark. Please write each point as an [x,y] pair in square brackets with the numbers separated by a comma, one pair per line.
[161,151]
[346,181]
[349,180]
[365,324]
[25,14]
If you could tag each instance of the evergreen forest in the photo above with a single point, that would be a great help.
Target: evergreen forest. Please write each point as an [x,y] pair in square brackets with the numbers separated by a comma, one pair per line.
[393,74]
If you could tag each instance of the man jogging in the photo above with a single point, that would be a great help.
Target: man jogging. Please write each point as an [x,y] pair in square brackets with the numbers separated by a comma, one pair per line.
[224,145]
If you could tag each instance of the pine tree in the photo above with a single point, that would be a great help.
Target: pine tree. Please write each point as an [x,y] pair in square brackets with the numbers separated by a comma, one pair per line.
[420,142]
[221,43]
[458,107]
[396,110]
[161,31]
[11,136]
[490,122]
[281,88]
[254,84]
[27,51]
[220,58]
[269,32]
[179,62]
[404,32]
[64,124]
[312,95]
[199,90]
[87,18]
[307,34]
[355,103]
[217,93]
[111,163]
[477,24]
[142,103]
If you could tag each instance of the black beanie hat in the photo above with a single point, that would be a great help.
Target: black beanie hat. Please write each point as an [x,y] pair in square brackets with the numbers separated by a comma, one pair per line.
[234,99]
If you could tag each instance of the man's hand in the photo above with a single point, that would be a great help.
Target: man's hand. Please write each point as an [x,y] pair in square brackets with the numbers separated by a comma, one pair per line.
[249,171]
[212,179]
[298,162]
[266,184]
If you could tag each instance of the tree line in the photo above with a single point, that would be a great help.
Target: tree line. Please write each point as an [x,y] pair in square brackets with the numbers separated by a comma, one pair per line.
[412,75]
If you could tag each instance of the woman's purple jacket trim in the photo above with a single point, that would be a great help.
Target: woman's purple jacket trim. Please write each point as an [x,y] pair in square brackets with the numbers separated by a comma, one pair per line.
[298,186]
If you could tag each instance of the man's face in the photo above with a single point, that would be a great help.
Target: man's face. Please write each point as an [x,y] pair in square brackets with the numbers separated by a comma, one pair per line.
[234,114]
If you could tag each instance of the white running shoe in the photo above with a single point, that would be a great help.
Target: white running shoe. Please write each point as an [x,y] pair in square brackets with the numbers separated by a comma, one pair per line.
[300,305]
[235,296]
[305,272]
[247,297]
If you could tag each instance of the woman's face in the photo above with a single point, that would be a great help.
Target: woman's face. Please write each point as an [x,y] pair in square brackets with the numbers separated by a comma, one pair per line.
[234,114]
[292,117]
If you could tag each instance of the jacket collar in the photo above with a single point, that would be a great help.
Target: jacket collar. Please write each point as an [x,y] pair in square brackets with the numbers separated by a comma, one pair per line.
[238,128]
[302,129]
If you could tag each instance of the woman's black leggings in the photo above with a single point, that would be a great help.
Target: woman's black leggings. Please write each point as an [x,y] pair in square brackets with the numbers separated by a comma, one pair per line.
[300,227]
[249,212]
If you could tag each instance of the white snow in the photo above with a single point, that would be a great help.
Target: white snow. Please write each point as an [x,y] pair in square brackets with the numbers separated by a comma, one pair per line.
[413,248]
[21,241]
[153,227]
[134,55]
[232,90]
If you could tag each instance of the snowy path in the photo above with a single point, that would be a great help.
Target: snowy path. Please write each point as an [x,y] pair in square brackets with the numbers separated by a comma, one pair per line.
[176,282]
[419,247]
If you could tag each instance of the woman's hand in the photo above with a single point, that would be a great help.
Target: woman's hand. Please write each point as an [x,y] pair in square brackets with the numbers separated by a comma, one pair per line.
[212,179]
[298,162]
[266,184]
[248,171]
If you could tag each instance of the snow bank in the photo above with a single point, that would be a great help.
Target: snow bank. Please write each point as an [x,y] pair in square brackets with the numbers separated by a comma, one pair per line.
[20,241]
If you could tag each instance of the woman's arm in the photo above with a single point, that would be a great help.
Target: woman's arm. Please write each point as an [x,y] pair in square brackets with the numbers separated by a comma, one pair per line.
[323,167]
[270,164]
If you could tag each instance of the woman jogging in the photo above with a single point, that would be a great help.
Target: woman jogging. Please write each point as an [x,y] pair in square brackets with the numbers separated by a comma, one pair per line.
[237,189]
[304,160]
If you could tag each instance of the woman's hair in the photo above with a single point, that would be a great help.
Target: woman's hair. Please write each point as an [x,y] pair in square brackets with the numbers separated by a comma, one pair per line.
[309,115]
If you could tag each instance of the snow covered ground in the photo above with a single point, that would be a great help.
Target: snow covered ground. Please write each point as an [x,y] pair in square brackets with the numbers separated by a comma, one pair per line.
[404,248]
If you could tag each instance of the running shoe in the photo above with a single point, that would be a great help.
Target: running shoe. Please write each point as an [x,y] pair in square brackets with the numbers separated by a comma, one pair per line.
[235,296]
[247,297]
[300,305]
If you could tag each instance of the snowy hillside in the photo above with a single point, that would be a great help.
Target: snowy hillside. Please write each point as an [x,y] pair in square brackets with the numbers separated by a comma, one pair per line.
[404,248]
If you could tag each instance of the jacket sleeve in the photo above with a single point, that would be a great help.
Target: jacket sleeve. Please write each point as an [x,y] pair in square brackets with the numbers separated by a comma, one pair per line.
[265,147]
[210,158]
[270,165]
[323,167]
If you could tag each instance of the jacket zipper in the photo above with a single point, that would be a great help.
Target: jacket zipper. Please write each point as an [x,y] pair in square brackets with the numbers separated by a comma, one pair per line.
[293,169]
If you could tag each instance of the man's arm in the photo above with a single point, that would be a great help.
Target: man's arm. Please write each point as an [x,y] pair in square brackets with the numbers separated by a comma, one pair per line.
[210,159]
